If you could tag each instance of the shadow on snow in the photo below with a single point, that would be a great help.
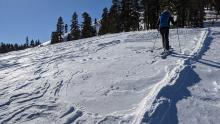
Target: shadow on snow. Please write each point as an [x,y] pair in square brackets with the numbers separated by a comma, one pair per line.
[198,58]
[166,111]
[167,99]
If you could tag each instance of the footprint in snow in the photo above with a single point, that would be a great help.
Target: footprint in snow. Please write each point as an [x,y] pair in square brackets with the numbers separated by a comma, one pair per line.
[216,86]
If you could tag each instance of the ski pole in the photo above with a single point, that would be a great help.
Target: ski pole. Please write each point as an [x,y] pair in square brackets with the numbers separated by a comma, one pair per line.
[179,39]
[154,43]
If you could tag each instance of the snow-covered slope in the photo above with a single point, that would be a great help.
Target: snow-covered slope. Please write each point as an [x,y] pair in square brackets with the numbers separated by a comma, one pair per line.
[105,80]
[200,103]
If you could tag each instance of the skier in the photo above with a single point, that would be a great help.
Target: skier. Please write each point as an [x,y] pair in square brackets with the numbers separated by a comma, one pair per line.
[164,25]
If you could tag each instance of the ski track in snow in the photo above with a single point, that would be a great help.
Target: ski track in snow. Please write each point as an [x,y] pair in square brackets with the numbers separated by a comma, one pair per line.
[165,98]
[204,96]
[105,80]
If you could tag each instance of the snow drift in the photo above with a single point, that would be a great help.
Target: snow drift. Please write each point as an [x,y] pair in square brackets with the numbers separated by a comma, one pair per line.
[106,80]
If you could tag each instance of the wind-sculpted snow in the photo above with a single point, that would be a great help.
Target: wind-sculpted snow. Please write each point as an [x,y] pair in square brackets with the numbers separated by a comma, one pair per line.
[106,80]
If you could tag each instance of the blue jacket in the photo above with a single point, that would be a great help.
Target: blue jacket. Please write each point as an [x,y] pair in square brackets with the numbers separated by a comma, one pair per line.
[165,19]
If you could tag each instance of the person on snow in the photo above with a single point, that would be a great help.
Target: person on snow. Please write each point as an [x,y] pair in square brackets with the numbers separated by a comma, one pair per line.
[164,25]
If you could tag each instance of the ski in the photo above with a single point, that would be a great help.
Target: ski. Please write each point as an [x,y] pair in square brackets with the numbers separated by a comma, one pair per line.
[164,54]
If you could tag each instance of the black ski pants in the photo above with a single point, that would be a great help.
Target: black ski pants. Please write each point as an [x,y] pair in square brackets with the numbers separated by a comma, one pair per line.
[165,37]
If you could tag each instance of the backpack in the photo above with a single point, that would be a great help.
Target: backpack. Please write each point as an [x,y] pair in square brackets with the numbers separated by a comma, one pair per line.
[165,19]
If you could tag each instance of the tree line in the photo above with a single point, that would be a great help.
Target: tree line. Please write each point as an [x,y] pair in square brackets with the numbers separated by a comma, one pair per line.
[124,16]
[8,47]
[87,29]
[134,15]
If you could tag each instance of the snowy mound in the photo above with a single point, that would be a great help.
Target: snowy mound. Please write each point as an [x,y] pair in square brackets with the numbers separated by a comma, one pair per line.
[106,80]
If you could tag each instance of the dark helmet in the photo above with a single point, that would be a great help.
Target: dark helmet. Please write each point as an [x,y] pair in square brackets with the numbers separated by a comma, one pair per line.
[167,5]
[168,8]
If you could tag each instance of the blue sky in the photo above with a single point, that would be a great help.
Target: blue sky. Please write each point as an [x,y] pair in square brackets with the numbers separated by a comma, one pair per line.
[37,18]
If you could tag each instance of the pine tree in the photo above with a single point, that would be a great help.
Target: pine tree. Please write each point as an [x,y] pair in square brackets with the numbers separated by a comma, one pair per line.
[104,22]
[60,29]
[66,28]
[32,43]
[190,13]
[135,16]
[16,46]
[182,12]
[2,47]
[12,47]
[38,42]
[68,37]
[96,22]
[75,31]
[114,17]
[217,6]
[129,15]
[87,29]
[152,10]
[55,37]
[125,14]
[27,42]
[60,26]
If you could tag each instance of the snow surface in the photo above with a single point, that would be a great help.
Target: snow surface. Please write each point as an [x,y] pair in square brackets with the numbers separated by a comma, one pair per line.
[202,88]
[114,79]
